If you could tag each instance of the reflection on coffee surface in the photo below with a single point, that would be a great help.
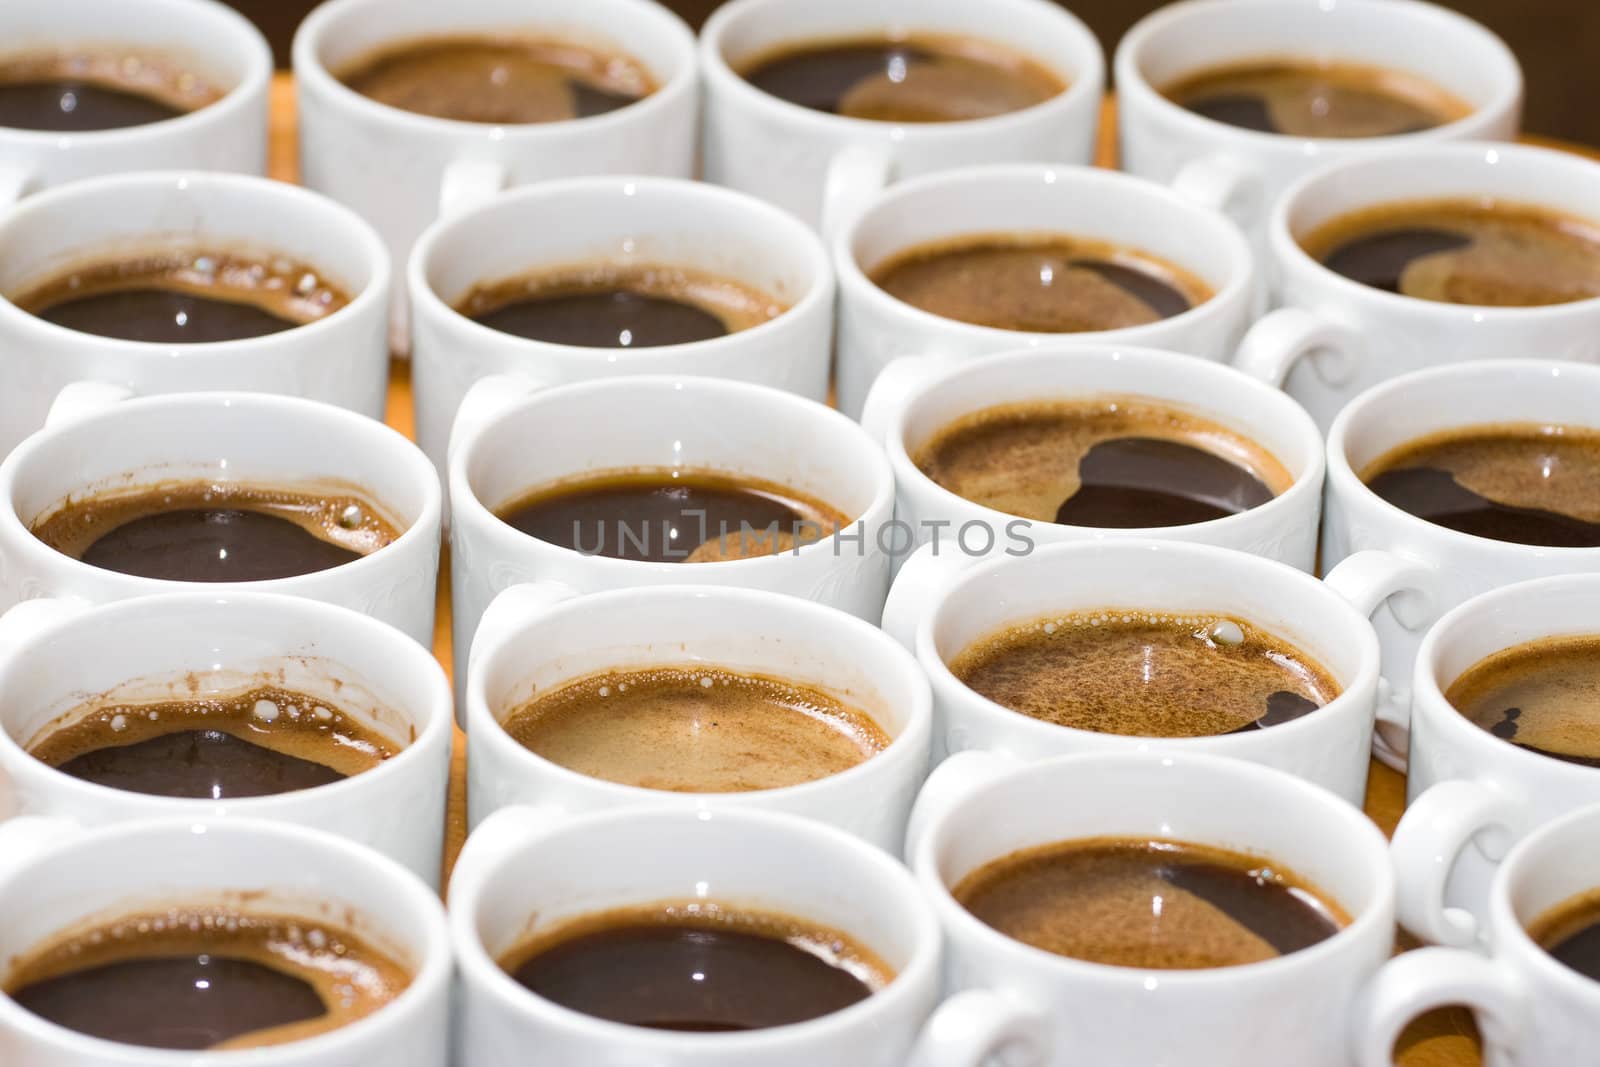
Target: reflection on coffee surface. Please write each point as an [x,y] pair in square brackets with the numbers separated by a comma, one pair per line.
[697,966]
[922,78]
[673,515]
[696,729]
[1571,933]
[1464,252]
[257,743]
[501,80]
[185,297]
[1523,483]
[217,531]
[1107,461]
[1543,696]
[83,91]
[206,976]
[1040,283]
[1310,99]
[619,305]
[1143,674]
[1159,905]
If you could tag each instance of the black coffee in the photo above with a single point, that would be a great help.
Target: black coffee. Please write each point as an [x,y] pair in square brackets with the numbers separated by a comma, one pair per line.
[1159,905]
[1543,696]
[698,967]
[1571,933]
[665,516]
[1525,484]
[83,92]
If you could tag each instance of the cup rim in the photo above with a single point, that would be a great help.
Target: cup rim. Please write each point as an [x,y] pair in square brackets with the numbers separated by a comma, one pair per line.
[84,194]
[953,916]
[860,286]
[721,78]
[1505,925]
[36,555]
[428,920]
[920,970]
[793,233]
[1344,482]
[1132,83]
[311,75]
[252,86]
[860,641]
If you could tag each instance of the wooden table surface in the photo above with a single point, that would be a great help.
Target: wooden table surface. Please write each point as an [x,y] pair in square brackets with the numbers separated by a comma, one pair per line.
[1444,1039]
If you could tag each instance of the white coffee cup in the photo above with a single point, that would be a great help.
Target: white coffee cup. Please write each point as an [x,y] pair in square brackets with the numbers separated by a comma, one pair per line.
[1405,571]
[1043,1009]
[824,167]
[55,876]
[524,871]
[511,437]
[657,221]
[1242,172]
[1531,1010]
[217,42]
[538,636]
[186,646]
[1336,337]
[402,170]
[240,437]
[942,605]
[917,397]
[342,359]
[1471,794]
[876,328]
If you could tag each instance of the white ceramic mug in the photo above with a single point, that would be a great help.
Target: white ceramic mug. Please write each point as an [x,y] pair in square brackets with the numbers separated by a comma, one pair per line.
[1336,337]
[539,636]
[824,167]
[185,646]
[1471,794]
[216,41]
[402,170]
[941,606]
[523,871]
[1531,1010]
[54,877]
[1035,1008]
[1242,172]
[641,220]
[243,437]
[342,359]
[512,437]
[1404,571]
[918,397]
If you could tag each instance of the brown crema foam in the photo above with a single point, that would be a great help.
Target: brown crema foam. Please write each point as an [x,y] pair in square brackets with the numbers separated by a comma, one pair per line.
[1040,283]
[1571,933]
[1145,674]
[83,90]
[696,729]
[206,977]
[1543,696]
[503,80]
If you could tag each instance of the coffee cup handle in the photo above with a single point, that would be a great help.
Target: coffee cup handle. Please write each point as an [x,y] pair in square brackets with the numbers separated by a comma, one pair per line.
[855,175]
[977,1024]
[468,183]
[1282,338]
[924,574]
[487,397]
[1224,183]
[1415,983]
[14,182]
[892,389]
[1436,828]
[497,836]
[79,399]
[509,609]
[945,788]
[27,837]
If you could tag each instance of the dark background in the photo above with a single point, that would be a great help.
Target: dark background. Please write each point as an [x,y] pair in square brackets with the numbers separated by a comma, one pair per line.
[1558,42]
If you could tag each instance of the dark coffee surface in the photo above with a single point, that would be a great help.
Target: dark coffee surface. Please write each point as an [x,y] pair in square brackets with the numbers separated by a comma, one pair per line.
[1040,283]
[216,532]
[500,80]
[1158,905]
[1304,99]
[698,967]
[1464,252]
[619,306]
[1571,933]
[82,92]
[665,516]
[210,978]
[1108,462]
[1543,696]
[1521,483]
[1145,675]
[917,79]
